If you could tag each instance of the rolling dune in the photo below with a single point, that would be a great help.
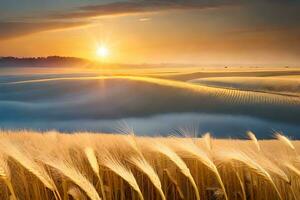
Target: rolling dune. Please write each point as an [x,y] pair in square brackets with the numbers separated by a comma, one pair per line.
[280,85]
[244,72]
[118,97]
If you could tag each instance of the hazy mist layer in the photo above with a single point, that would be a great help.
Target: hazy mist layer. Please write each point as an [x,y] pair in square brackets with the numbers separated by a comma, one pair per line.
[151,106]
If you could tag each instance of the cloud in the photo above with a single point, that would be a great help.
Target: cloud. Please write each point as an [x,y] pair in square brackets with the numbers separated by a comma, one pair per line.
[78,17]
[256,13]
[140,6]
[16,29]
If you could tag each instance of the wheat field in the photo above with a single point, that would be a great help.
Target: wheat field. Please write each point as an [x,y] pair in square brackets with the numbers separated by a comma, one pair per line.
[59,166]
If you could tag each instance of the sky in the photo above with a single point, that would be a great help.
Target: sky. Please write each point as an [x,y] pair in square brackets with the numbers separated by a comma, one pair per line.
[204,32]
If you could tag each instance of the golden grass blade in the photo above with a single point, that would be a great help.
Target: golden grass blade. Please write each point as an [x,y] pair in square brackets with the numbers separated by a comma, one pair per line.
[241,157]
[172,156]
[274,169]
[285,140]
[116,166]
[5,175]
[201,156]
[146,168]
[292,168]
[141,163]
[242,185]
[74,175]
[207,140]
[4,169]
[13,152]
[131,140]
[252,137]
[173,180]
[91,156]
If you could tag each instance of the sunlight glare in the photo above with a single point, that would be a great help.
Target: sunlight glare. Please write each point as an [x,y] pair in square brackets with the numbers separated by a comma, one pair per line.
[102,51]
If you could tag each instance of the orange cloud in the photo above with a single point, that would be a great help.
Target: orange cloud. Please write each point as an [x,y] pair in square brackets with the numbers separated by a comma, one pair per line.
[132,7]
[16,29]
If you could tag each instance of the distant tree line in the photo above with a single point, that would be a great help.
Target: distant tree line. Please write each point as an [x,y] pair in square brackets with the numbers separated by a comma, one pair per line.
[40,61]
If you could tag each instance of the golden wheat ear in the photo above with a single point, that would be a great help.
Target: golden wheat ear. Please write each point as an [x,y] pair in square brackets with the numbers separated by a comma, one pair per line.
[91,156]
[115,165]
[252,137]
[173,157]
[254,166]
[147,169]
[5,175]
[74,175]
[207,140]
[190,148]
[140,162]
[29,164]
[285,140]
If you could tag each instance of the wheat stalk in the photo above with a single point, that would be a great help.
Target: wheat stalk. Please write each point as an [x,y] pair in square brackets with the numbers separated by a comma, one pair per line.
[192,149]
[74,175]
[252,136]
[30,165]
[241,184]
[173,180]
[116,166]
[141,163]
[90,154]
[207,140]
[172,156]
[5,175]
[241,157]
[146,168]
[285,140]
[292,168]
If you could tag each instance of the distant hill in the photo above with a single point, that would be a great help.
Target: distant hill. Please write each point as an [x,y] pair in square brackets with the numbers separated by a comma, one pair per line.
[50,61]
[58,61]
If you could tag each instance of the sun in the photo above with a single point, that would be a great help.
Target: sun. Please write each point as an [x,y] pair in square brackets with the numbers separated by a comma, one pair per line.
[102,51]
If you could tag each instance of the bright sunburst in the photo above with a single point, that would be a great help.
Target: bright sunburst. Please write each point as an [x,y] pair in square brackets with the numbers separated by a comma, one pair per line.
[102,51]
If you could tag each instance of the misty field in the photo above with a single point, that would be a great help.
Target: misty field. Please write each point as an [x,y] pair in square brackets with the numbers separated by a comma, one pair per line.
[53,165]
[96,103]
